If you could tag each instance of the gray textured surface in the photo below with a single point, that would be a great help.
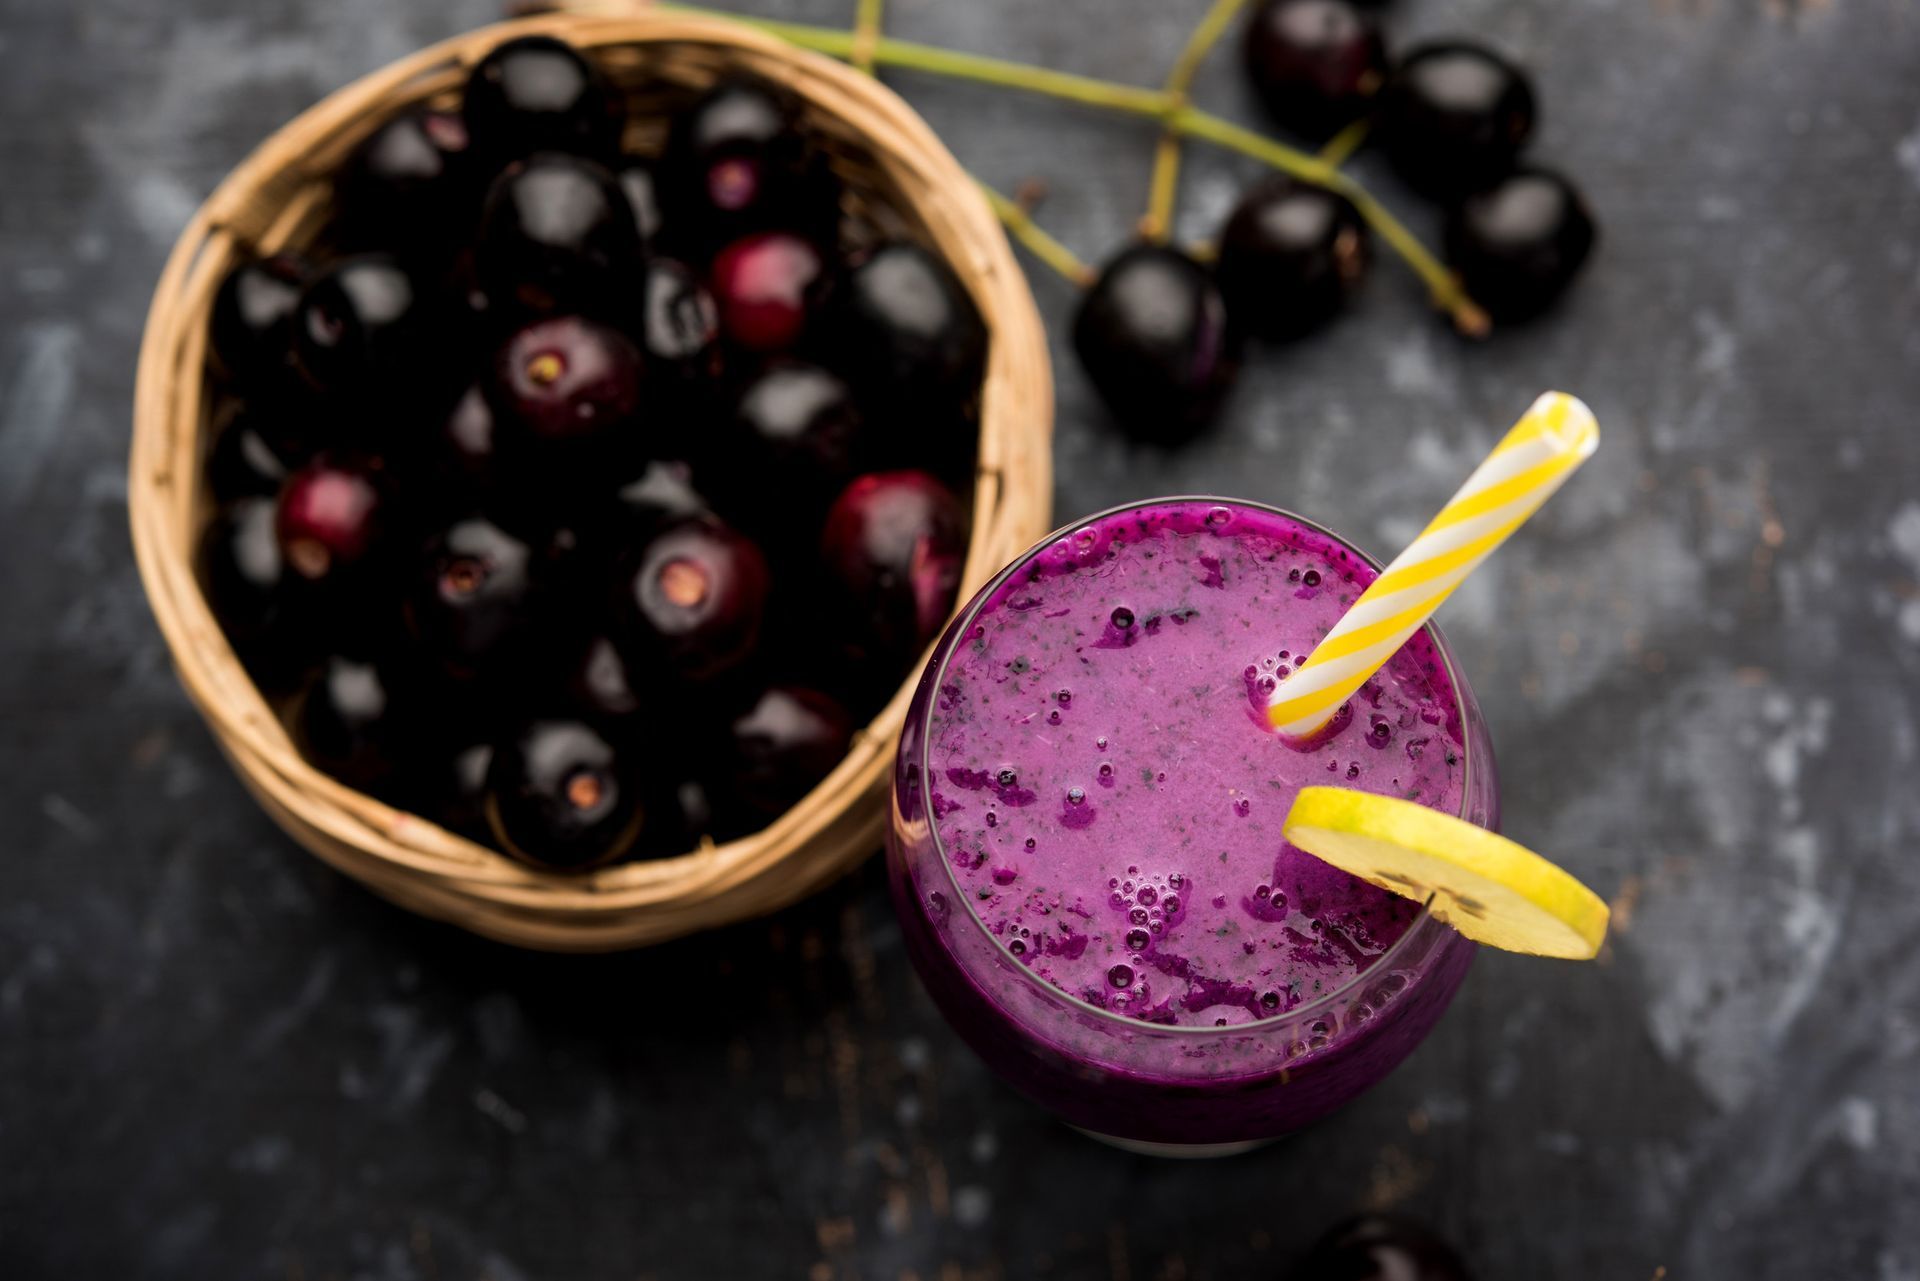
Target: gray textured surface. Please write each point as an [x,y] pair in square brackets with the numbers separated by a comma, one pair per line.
[218,1059]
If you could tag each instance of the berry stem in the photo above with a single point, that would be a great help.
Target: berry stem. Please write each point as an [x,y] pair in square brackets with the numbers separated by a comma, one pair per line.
[1342,145]
[1164,189]
[1442,284]
[1021,226]
[866,31]
[1155,104]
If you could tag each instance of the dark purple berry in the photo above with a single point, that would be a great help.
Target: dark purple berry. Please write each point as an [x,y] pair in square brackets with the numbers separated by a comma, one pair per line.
[1519,243]
[412,181]
[739,163]
[537,93]
[599,686]
[679,327]
[254,317]
[473,599]
[561,796]
[906,328]
[1377,1247]
[785,743]
[1153,336]
[567,391]
[252,597]
[1316,64]
[692,601]
[331,519]
[893,547]
[1453,116]
[351,722]
[368,331]
[556,234]
[795,430]
[1290,255]
[767,285]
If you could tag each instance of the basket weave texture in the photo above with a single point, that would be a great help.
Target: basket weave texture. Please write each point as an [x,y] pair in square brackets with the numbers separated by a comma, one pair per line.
[900,181]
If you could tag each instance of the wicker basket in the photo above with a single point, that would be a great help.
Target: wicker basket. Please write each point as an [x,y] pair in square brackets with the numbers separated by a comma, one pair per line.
[900,180]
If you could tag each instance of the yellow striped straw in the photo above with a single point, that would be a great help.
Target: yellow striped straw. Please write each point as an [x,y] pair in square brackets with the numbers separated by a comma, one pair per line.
[1535,459]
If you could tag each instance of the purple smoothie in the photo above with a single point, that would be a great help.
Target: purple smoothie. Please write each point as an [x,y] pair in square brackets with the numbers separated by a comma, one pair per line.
[1087,847]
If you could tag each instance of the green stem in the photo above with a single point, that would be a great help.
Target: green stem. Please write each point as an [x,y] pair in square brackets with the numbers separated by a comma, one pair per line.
[1342,145]
[1163,191]
[866,32]
[1021,226]
[1155,104]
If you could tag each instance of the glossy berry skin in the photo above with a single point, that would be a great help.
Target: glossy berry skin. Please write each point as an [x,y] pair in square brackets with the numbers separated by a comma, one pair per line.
[412,180]
[795,431]
[473,599]
[738,163]
[599,686]
[679,328]
[1290,255]
[560,796]
[251,331]
[1519,243]
[330,520]
[1153,336]
[641,186]
[242,463]
[1377,1247]
[539,94]
[1454,116]
[367,331]
[691,601]
[253,598]
[892,547]
[463,452]
[905,327]
[1316,64]
[790,739]
[556,233]
[350,722]
[567,391]
[766,286]
[661,493]
[456,791]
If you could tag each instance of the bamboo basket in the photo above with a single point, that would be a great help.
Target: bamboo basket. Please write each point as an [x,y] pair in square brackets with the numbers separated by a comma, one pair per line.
[900,181]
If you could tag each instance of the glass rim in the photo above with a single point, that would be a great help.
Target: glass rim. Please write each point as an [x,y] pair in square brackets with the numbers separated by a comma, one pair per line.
[1420,924]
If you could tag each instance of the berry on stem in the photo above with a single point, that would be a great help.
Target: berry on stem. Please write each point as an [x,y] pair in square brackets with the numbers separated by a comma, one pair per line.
[1519,243]
[1316,64]
[1454,116]
[1154,338]
[1290,254]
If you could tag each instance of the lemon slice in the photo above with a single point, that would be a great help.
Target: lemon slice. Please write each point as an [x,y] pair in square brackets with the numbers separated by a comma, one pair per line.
[1482,884]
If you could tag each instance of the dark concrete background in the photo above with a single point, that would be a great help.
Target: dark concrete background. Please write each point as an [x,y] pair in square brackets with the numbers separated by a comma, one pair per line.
[218,1059]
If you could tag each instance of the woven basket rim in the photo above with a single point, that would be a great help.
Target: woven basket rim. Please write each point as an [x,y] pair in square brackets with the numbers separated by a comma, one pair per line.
[405,856]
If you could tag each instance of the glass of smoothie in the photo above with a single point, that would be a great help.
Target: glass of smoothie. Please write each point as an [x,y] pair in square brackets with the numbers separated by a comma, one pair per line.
[1085,849]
